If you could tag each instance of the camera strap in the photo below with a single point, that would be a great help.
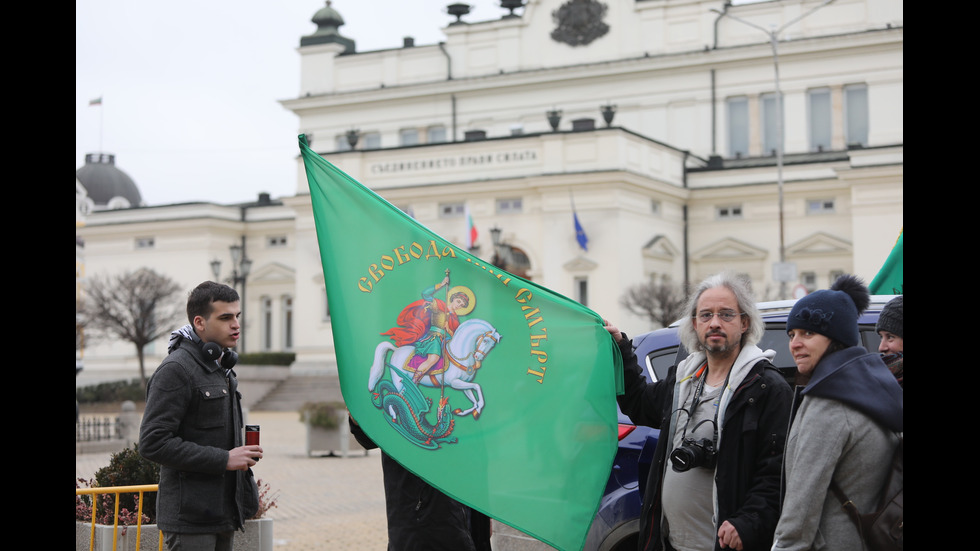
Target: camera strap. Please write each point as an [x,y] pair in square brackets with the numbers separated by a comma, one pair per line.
[702,377]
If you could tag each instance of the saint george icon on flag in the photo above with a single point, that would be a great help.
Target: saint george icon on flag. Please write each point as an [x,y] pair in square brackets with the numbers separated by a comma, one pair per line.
[495,390]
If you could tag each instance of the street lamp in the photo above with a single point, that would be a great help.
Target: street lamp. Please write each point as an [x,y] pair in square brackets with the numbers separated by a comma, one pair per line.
[241,265]
[773,34]
[495,238]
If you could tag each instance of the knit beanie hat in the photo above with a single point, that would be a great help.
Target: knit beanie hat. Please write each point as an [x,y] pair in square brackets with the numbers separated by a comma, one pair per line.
[833,312]
[891,317]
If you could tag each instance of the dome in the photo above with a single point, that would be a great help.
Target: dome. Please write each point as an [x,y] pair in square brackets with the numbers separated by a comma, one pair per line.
[328,20]
[327,16]
[107,186]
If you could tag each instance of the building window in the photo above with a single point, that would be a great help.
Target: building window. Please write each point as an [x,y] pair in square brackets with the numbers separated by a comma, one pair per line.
[266,323]
[819,206]
[273,241]
[582,290]
[145,243]
[655,206]
[372,140]
[342,143]
[856,114]
[435,134]
[451,210]
[287,323]
[809,280]
[408,136]
[818,105]
[509,206]
[729,211]
[770,124]
[738,127]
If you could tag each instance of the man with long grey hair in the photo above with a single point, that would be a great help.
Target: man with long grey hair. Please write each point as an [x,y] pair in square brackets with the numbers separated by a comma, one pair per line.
[723,413]
[740,287]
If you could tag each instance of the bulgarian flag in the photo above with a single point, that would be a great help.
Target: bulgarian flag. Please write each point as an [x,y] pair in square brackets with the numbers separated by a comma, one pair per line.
[471,233]
[495,390]
[890,279]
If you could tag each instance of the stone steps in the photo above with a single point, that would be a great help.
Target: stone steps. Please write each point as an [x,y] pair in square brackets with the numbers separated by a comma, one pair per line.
[296,390]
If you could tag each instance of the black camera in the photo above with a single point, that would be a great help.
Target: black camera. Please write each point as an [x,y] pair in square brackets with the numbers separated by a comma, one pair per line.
[694,453]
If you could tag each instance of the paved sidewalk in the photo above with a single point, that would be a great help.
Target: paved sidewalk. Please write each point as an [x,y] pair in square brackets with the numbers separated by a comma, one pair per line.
[324,503]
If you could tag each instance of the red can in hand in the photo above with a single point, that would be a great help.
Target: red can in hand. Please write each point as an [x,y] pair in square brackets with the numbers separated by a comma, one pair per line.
[251,435]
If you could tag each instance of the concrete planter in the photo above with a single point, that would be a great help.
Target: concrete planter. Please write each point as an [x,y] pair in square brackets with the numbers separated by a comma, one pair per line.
[328,441]
[256,537]
[125,540]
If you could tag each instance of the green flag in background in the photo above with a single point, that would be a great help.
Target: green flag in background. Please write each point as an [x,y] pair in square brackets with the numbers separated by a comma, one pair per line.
[493,389]
[890,279]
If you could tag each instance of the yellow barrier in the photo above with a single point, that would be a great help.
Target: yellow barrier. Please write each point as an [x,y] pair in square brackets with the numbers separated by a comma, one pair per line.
[115,517]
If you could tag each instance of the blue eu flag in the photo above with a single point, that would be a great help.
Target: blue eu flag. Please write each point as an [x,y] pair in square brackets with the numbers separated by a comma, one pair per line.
[580,236]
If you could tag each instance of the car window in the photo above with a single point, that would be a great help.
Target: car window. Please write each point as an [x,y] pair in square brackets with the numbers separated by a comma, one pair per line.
[871,339]
[775,338]
[659,361]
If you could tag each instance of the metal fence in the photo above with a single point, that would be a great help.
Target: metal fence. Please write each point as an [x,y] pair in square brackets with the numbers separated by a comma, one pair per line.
[116,490]
[94,429]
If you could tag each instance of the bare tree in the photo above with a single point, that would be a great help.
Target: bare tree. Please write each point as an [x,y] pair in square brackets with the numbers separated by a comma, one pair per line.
[660,302]
[139,307]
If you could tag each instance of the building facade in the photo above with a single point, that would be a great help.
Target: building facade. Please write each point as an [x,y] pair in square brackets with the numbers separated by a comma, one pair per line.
[654,122]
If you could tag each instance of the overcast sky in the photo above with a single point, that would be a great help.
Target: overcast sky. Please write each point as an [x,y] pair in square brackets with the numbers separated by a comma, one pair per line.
[190,90]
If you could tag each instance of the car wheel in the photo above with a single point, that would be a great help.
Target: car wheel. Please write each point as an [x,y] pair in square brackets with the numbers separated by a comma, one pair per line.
[625,537]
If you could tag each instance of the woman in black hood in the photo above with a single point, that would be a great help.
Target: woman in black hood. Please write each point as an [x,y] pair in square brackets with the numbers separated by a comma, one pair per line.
[847,425]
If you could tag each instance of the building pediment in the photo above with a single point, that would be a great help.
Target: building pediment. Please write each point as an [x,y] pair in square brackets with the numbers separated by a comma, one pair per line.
[660,248]
[272,272]
[730,249]
[819,244]
[580,264]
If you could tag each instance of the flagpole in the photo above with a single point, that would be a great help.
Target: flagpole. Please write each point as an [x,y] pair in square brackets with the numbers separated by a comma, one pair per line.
[97,102]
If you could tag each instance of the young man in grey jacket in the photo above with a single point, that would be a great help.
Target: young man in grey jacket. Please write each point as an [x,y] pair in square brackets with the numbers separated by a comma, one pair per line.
[192,427]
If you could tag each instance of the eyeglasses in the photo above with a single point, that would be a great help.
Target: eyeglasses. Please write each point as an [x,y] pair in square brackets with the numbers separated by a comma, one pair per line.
[724,315]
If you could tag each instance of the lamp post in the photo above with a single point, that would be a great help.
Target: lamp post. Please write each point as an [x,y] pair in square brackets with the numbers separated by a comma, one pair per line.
[497,260]
[241,265]
[773,34]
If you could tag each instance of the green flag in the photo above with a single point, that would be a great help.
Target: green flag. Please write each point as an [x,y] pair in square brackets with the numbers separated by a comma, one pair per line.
[493,389]
[890,279]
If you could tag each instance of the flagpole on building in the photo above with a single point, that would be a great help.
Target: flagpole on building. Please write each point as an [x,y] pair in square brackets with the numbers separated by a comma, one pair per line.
[97,102]
[580,236]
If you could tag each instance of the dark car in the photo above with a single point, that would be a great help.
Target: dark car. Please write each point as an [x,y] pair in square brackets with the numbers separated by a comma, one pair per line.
[616,524]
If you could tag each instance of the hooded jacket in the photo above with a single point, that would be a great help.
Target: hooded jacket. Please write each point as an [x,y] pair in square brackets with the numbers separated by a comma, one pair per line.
[193,416]
[845,430]
[754,409]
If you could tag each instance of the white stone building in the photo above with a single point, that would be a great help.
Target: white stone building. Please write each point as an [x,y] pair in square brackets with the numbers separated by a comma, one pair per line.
[683,182]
